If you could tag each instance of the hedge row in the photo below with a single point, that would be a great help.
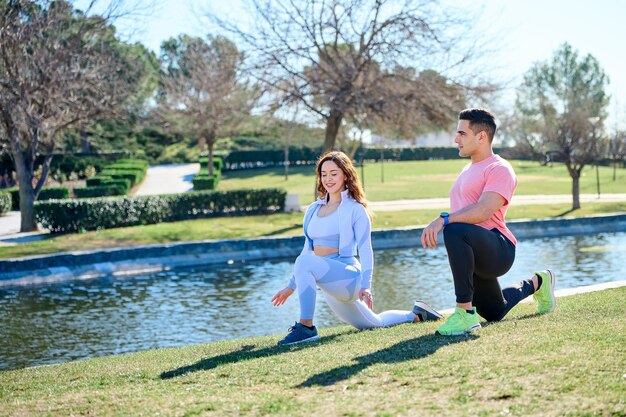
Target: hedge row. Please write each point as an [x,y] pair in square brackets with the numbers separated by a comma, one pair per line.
[46,193]
[66,164]
[266,158]
[218,163]
[101,191]
[115,179]
[5,202]
[107,213]
[204,181]
[308,156]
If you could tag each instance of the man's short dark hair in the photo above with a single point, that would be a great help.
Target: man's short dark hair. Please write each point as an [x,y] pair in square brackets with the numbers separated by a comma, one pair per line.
[480,119]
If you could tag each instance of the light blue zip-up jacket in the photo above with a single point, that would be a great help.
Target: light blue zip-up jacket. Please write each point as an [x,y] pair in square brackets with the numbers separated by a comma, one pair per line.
[354,235]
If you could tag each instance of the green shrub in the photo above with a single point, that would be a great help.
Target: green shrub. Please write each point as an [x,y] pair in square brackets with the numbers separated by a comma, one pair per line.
[134,162]
[15,197]
[101,180]
[218,163]
[53,193]
[5,202]
[135,176]
[205,182]
[46,193]
[115,179]
[105,213]
[100,191]
[97,180]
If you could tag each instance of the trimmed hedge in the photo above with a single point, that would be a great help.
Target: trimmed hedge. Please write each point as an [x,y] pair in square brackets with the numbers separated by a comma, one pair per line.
[100,180]
[106,213]
[5,202]
[115,179]
[46,193]
[101,190]
[205,182]
[135,176]
[139,163]
[218,163]
[308,156]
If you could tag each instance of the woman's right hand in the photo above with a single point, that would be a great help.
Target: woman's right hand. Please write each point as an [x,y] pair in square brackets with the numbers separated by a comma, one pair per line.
[281,296]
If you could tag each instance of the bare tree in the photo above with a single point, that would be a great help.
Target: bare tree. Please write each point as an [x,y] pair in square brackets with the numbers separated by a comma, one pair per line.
[59,68]
[338,58]
[202,93]
[562,106]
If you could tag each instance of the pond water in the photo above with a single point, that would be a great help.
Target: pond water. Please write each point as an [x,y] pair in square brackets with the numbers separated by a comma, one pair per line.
[82,319]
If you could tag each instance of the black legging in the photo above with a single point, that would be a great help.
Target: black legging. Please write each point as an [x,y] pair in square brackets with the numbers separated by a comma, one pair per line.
[477,258]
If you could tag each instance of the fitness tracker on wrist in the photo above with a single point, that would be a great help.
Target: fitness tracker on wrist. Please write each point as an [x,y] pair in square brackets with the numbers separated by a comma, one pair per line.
[446,217]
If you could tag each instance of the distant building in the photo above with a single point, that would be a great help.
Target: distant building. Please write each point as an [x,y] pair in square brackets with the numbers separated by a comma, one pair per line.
[430,140]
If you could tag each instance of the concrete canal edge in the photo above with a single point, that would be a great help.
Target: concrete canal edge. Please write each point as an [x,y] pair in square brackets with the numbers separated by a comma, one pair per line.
[153,258]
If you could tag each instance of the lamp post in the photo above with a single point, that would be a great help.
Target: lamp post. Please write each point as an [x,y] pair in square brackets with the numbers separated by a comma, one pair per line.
[594,121]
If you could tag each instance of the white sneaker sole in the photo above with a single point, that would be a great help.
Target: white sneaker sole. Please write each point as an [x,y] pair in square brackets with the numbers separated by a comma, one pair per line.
[552,282]
[310,339]
[422,305]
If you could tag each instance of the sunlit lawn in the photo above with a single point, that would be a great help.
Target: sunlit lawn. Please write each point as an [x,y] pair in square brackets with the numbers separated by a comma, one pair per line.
[426,179]
[567,363]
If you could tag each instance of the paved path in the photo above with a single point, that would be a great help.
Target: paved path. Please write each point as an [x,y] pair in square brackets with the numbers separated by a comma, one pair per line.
[519,200]
[168,179]
[10,223]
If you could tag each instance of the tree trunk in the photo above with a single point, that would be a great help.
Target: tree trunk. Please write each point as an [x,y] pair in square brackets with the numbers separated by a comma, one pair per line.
[575,190]
[211,143]
[27,194]
[24,171]
[202,144]
[287,162]
[84,143]
[332,128]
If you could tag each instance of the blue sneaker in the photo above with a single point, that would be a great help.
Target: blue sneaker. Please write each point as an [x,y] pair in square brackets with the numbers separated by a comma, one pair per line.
[425,312]
[299,334]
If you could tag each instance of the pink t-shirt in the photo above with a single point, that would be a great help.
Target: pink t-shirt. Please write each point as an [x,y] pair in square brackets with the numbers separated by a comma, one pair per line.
[492,174]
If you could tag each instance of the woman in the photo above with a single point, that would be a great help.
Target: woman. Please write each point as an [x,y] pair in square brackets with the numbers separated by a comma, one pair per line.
[335,226]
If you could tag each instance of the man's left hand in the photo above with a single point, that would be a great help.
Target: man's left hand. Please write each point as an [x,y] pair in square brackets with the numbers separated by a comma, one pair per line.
[429,234]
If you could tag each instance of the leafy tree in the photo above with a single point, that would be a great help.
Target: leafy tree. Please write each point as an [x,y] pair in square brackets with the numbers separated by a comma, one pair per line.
[59,69]
[560,108]
[202,93]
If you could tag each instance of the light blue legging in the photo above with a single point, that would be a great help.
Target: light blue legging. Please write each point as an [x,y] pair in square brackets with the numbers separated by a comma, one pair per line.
[340,280]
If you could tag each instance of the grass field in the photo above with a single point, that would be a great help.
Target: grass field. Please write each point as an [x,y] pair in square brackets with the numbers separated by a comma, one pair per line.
[409,180]
[256,226]
[568,363]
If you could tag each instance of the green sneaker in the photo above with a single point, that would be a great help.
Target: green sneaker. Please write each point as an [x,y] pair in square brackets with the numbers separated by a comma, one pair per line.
[459,323]
[546,303]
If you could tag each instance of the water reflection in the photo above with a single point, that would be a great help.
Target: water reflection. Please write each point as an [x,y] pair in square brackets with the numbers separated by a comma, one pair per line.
[75,320]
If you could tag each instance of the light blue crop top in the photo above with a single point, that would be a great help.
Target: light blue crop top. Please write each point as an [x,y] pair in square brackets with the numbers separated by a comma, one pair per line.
[324,231]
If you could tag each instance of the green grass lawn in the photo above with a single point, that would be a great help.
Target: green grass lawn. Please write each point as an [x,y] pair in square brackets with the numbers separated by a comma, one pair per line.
[425,179]
[568,363]
[279,224]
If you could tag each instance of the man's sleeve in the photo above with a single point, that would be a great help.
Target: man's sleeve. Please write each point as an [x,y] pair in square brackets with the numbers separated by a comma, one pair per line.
[502,180]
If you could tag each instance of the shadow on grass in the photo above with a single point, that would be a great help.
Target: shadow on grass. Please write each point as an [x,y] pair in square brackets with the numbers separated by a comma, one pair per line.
[565,213]
[285,229]
[246,352]
[404,351]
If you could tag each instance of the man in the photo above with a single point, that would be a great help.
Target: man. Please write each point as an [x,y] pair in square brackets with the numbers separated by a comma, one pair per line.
[480,247]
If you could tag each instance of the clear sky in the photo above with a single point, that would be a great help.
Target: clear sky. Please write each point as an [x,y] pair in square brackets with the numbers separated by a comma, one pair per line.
[528,31]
